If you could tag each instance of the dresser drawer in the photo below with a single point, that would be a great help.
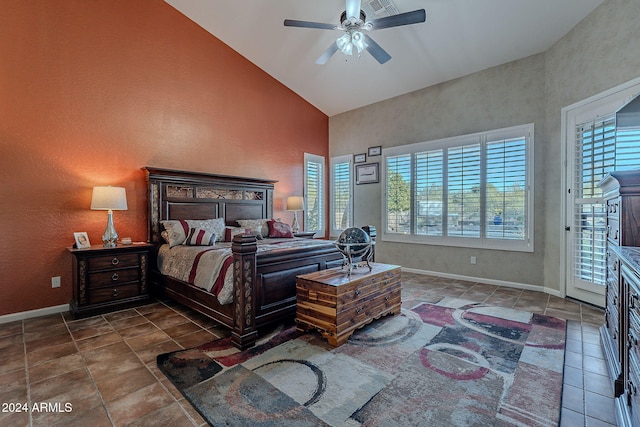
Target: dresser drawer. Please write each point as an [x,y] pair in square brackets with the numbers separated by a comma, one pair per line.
[113,261]
[613,208]
[113,293]
[613,231]
[113,277]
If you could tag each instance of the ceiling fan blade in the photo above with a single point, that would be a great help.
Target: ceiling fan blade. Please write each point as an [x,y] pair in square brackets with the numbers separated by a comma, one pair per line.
[376,51]
[308,24]
[327,54]
[400,19]
[353,8]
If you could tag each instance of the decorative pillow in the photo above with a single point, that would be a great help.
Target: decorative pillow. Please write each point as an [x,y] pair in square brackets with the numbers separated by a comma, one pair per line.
[279,229]
[257,225]
[229,232]
[200,237]
[177,230]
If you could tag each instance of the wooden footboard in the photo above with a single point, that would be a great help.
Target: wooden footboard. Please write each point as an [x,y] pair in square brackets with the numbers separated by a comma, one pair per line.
[264,287]
[264,283]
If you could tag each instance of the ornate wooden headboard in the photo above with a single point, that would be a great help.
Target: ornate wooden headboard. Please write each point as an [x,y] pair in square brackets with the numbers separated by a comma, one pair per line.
[174,194]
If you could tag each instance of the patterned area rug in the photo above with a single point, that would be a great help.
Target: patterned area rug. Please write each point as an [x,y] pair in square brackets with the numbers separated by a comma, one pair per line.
[451,364]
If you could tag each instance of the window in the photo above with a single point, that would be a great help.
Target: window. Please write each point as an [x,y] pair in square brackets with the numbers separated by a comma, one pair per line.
[600,149]
[314,193]
[341,206]
[473,191]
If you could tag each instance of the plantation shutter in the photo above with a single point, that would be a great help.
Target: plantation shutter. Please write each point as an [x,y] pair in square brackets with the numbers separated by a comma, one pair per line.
[463,183]
[429,191]
[314,193]
[595,156]
[506,181]
[398,194]
[341,216]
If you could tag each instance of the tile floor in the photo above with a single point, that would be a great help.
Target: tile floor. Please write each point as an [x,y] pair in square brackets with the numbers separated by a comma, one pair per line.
[101,371]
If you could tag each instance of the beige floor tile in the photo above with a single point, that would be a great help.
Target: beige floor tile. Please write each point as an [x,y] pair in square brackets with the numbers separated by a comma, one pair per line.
[123,383]
[56,367]
[103,371]
[169,416]
[136,405]
[45,354]
[195,339]
[147,340]
[98,341]
[139,329]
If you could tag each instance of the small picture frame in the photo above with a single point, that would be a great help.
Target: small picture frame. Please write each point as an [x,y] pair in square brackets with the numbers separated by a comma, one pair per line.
[359,158]
[375,151]
[82,240]
[367,173]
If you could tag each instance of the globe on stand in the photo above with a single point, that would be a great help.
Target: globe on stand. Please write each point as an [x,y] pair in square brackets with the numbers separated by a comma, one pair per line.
[355,246]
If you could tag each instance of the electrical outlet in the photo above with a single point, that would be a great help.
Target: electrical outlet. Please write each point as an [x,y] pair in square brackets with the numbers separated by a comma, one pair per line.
[473,260]
[55,282]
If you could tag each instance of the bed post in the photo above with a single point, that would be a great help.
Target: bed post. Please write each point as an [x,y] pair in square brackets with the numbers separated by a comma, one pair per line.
[244,333]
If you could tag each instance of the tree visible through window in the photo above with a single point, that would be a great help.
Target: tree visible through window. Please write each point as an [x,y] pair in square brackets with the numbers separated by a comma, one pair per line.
[472,190]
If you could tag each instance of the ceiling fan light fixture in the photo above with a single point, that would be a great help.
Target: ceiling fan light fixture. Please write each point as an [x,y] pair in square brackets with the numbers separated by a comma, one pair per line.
[348,40]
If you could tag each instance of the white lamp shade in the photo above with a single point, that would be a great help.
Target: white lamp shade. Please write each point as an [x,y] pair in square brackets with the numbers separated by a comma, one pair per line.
[295,203]
[109,198]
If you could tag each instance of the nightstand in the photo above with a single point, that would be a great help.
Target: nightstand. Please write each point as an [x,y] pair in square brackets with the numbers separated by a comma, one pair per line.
[109,279]
[305,234]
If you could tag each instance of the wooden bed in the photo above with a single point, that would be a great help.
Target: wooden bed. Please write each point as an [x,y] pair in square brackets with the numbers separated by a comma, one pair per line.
[264,283]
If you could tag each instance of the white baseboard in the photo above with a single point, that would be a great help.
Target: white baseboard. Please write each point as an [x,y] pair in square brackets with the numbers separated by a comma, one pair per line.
[34,313]
[504,283]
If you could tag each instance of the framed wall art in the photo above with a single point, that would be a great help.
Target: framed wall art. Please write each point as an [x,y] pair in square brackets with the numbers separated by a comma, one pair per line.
[375,151]
[359,158]
[367,173]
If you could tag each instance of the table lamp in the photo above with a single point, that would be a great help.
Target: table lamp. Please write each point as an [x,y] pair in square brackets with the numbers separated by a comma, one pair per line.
[109,199]
[295,204]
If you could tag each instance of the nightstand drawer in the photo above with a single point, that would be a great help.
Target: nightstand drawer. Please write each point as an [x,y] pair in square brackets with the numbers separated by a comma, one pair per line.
[113,277]
[114,293]
[113,261]
[108,279]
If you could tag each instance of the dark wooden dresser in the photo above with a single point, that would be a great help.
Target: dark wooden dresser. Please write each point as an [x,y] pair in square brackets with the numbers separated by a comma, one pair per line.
[336,303]
[108,279]
[621,331]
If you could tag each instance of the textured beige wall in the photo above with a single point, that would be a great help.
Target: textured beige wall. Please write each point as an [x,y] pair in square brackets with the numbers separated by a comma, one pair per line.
[533,89]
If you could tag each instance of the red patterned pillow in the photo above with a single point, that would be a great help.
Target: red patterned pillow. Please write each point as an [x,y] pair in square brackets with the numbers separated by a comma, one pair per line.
[279,229]
[200,237]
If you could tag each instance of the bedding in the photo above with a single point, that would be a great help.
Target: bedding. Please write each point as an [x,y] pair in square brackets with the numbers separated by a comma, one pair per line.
[210,268]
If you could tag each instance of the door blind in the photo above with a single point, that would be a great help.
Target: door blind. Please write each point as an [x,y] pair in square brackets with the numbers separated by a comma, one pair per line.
[595,156]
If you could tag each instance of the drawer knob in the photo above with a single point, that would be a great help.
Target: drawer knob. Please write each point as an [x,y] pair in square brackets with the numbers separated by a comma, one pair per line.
[357,292]
[359,310]
[115,292]
[115,261]
[114,276]
[387,298]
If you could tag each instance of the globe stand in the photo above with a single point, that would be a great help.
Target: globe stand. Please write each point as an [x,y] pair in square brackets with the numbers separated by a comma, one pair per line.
[351,262]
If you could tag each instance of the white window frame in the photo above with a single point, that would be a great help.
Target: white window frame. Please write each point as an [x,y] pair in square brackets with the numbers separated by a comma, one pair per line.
[322,209]
[333,162]
[525,245]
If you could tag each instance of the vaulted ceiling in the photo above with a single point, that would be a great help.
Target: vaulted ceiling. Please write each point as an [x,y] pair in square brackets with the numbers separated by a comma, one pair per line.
[458,38]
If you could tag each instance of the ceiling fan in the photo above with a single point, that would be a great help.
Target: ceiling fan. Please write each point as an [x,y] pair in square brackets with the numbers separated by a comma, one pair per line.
[352,21]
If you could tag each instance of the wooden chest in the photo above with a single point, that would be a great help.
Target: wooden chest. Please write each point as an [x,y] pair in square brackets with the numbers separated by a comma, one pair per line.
[337,304]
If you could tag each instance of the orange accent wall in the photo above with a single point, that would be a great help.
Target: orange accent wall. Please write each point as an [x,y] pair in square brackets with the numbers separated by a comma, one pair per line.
[90,92]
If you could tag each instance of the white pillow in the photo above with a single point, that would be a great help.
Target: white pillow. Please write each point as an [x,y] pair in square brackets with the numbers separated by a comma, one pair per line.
[256,225]
[177,230]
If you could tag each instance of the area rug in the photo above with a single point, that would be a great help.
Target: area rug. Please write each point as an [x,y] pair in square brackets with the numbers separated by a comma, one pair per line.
[454,363]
